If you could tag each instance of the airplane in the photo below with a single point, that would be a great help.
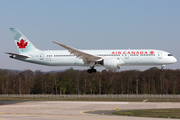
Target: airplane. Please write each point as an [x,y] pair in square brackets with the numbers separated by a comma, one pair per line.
[110,59]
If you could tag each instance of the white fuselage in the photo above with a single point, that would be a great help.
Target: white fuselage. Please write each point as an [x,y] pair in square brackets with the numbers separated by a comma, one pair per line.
[128,57]
[110,59]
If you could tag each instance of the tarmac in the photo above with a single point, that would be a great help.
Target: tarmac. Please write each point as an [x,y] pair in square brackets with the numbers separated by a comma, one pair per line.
[76,110]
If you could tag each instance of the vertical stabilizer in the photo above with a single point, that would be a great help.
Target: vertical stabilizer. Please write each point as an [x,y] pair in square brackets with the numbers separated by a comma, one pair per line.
[22,43]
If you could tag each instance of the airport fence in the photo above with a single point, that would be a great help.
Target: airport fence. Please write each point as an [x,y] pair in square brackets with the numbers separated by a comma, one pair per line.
[128,96]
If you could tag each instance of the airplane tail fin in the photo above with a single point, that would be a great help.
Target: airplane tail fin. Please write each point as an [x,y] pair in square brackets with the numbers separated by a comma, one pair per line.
[22,43]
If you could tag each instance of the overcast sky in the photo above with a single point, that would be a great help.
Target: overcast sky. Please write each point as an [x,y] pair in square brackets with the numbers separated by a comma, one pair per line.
[90,24]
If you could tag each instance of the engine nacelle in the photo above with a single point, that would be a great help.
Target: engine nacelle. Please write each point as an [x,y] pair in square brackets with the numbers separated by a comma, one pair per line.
[112,63]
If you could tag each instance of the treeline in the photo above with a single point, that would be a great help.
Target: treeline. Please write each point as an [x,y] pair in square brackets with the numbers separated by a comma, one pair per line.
[151,81]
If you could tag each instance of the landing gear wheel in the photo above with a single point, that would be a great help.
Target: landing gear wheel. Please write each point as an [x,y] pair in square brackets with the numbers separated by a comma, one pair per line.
[162,67]
[91,70]
[94,70]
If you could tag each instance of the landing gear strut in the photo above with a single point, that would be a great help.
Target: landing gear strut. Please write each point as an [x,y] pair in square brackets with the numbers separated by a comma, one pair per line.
[91,70]
[162,67]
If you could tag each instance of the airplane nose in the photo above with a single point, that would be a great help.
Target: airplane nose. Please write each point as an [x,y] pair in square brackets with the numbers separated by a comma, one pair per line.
[175,60]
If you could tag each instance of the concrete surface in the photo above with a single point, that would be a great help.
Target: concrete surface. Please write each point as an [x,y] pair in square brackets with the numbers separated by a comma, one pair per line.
[67,110]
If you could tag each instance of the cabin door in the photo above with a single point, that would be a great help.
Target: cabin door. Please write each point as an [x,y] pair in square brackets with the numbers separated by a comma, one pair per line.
[126,56]
[41,56]
[160,55]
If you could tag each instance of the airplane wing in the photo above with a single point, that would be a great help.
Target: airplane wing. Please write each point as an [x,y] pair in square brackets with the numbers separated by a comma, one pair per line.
[87,58]
[18,55]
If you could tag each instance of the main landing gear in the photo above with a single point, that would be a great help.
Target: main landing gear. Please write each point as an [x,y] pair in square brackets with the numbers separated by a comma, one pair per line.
[91,70]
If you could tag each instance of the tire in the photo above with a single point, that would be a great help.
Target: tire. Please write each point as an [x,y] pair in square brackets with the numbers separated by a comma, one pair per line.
[89,71]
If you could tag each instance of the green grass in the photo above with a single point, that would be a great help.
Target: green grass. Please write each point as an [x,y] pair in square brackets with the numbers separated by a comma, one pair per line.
[67,99]
[85,99]
[164,113]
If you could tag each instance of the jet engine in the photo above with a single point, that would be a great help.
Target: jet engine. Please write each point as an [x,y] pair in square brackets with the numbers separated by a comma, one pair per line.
[112,63]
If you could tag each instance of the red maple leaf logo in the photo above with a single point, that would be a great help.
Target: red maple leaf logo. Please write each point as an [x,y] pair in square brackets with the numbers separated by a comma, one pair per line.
[151,52]
[22,44]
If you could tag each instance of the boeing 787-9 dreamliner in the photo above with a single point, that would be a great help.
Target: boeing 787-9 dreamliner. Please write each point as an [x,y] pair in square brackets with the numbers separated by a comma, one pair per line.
[110,59]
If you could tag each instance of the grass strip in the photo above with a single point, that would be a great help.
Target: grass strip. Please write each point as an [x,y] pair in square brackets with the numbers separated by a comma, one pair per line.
[67,99]
[163,113]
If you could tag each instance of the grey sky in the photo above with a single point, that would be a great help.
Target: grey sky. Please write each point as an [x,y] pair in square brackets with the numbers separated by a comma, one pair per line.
[93,24]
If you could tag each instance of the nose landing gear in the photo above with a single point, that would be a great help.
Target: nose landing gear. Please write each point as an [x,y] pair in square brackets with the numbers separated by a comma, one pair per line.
[162,67]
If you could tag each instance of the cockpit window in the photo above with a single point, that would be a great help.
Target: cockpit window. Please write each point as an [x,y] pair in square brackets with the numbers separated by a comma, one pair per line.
[170,55]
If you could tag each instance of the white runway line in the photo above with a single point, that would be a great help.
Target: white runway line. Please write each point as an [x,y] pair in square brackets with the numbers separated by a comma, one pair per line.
[59,102]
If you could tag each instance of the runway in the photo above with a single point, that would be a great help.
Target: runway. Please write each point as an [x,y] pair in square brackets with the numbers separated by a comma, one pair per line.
[71,110]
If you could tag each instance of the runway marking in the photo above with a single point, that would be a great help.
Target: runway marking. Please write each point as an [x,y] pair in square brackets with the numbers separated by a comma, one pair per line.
[59,102]
[48,115]
[41,114]
[43,108]
[2,113]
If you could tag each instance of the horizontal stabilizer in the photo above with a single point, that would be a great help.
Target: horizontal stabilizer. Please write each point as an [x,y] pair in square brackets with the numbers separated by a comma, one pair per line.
[18,55]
